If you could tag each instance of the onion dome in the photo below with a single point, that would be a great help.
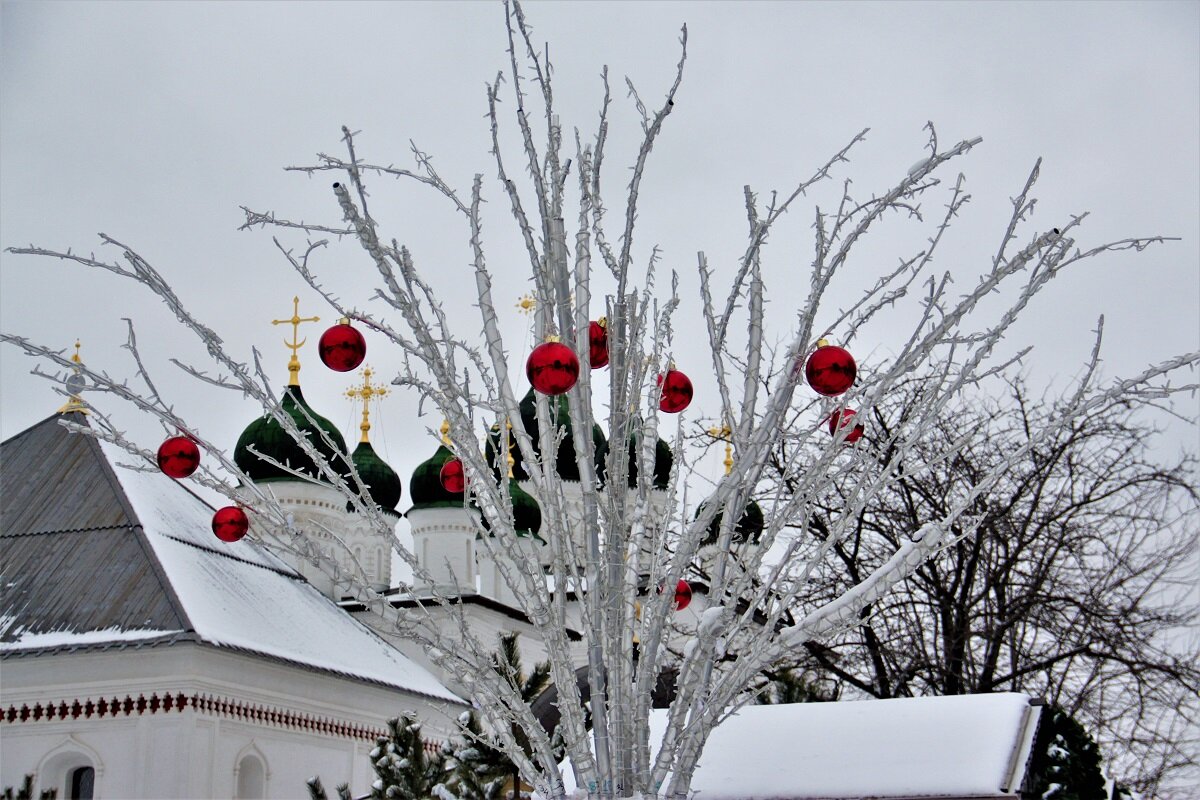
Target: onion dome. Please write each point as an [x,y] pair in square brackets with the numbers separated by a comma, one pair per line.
[748,528]
[527,516]
[425,488]
[568,468]
[664,459]
[382,482]
[269,438]
[526,513]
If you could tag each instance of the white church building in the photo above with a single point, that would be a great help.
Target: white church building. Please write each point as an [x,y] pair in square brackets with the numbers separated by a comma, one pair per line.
[141,657]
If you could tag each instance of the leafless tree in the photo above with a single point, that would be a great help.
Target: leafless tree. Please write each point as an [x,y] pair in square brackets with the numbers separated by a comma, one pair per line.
[606,544]
[1077,584]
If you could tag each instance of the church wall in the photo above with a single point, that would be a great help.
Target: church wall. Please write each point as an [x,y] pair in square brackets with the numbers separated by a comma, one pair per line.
[110,710]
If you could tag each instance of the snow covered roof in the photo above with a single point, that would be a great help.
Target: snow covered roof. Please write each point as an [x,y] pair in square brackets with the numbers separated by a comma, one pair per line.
[965,746]
[134,561]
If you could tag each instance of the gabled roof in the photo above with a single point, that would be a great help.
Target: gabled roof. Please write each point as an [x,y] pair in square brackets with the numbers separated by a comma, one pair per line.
[97,555]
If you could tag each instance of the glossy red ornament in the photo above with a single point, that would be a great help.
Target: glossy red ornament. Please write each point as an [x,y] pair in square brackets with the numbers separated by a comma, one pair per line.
[552,368]
[683,595]
[598,344]
[842,420]
[230,524]
[342,347]
[453,479]
[178,457]
[830,370]
[676,391]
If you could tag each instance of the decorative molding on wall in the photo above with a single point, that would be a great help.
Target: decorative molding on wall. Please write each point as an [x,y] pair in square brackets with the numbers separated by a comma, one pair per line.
[167,702]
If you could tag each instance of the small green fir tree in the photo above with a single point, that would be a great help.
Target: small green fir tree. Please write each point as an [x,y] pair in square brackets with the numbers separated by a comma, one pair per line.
[1066,761]
[25,791]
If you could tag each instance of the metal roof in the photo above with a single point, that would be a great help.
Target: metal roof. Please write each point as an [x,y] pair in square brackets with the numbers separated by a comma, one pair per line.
[94,560]
[69,557]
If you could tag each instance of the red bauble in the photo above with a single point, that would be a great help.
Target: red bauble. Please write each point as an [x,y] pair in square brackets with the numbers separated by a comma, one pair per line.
[342,348]
[230,524]
[453,479]
[830,370]
[844,419]
[552,368]
[676,391]
[178,457]
[683,595]
[598,344]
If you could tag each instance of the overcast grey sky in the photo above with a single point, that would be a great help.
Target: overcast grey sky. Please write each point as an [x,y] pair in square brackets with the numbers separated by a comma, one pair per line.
[154,122]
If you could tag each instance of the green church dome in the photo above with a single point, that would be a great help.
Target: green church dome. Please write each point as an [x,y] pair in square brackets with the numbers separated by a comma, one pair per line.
[664,459]
[749,527]
[269,438]
[568,468]
[382,482]
[425,487]
[527,516]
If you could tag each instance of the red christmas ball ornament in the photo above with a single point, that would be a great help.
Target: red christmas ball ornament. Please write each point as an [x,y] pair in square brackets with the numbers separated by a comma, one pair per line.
[676,391]
[598,343]
[830,370]
[230,524]
[178,457]
[342,347]
[683,595]
[453,479]
[840,420]
[552,368]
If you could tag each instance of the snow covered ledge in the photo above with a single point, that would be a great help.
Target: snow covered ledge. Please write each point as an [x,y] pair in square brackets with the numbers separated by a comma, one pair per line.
[965,747]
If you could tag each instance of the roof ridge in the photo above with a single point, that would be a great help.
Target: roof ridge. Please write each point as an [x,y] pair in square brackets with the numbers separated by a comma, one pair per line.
[38,424]
[160,572]
[287,573]
[80,529]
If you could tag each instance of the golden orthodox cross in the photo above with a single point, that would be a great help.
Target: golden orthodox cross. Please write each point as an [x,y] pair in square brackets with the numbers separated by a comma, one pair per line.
[294,345]
[725,434]
[365,392]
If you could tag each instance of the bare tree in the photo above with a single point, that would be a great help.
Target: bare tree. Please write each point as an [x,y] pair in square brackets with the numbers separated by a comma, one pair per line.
[606,545]
[1074,586]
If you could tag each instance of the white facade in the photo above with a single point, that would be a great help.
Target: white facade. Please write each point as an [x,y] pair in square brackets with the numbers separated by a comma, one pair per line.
[246,728]
[321,511]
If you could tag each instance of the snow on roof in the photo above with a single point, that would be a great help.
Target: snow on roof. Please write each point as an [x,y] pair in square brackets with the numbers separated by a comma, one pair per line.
[241,595]
[966,746]
[25,640]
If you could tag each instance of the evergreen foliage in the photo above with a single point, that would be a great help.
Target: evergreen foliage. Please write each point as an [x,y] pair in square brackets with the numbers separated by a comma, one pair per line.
[1066,761]
[404,766]
[316,790]
[474,768]
[25,792]
[788,686]
[481,771]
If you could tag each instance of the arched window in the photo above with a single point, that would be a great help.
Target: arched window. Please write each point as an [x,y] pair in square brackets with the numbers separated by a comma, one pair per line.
[72,769]
[81,783]
[251,779]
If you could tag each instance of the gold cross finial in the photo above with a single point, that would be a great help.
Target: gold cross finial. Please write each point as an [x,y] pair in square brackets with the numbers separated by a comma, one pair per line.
[75,383]
[445,432]
[512,461]
[294,345]
[725,433]
[365,392]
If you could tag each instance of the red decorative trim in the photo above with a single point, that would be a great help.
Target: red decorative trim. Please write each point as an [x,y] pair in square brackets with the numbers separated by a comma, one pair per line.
[200,703]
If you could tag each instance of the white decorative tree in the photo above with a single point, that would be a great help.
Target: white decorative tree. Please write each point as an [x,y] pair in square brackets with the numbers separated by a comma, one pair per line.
[611,547]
